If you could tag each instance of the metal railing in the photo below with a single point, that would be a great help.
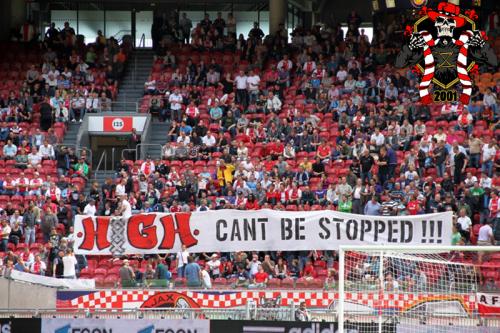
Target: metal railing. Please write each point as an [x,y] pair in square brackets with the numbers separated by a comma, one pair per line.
[104,158]
[142,153]
[122,33]
[129,150]
[247,312]
[78,151]
[142,41]
[118,106]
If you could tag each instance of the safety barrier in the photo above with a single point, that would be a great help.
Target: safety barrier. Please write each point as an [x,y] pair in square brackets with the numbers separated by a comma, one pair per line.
[162,323]
[248,312]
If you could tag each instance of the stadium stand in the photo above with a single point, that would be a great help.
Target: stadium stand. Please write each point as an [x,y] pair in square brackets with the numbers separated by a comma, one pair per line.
[323,122]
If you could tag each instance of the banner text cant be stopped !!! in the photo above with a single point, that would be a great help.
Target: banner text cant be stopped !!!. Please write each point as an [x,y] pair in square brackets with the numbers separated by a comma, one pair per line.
[234,230]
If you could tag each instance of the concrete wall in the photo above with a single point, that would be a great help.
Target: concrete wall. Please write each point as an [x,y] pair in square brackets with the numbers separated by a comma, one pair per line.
[18,295]
[337,11]
[13,16]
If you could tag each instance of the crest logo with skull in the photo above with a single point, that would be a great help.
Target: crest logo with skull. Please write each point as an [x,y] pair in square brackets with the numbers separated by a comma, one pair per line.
[445,26]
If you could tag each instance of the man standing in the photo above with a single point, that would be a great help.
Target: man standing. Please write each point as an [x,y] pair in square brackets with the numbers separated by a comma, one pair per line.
[133,141]
[241,88]
[192,272]
[301,314]
[460,163]
[69,265]
[58,267]
[125,207]
[182,260]
[126,272]
[185,24]
[29,221]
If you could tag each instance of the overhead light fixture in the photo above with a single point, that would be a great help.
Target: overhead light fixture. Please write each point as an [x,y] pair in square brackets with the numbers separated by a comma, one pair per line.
[390,3]
[375,5]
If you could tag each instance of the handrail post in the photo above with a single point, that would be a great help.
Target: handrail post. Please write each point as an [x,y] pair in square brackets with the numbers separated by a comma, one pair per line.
[135,69]
[112,158]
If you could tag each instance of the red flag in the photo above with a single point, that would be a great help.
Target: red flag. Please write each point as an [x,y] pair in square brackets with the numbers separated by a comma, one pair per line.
[118,124]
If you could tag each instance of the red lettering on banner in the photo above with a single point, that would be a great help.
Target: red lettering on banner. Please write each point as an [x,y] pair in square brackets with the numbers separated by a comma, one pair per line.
[183,229]
[146,237]
[95,235]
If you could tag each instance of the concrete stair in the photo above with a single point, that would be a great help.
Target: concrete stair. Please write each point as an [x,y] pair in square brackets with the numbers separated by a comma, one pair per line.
[131,87]
[71,134]
[158,137]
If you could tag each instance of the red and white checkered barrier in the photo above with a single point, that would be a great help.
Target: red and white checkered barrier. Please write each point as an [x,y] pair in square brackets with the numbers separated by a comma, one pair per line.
[128,299]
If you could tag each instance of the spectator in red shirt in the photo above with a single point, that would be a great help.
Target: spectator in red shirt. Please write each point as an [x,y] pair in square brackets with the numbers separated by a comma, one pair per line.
[276,148]
[252,203]
[413,205]
[309,273]
[272,195]
[260,279]
[323,151]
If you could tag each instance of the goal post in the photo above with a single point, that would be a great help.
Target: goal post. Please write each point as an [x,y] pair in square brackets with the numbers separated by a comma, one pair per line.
[384,288]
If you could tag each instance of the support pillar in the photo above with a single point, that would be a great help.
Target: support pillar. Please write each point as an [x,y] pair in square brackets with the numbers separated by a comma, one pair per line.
[17,13]
[278,11]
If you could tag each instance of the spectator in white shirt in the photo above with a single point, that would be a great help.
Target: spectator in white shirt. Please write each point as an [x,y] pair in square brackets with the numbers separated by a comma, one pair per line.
[485,181]
[35,184]
[241,88]
[253,81]
[485,237]
[120,188]
[214,266]
[489,153]
[209,141]
[90,208]
[175,100]
[77,109]
[183,138]
[378,138]
[69,265]
[273,103]
[285,64]
[341,74]
[34,158]
[309,66]
[125,209]
[490,100]
[46,151]
[148,167]
[465,223]
[92,103]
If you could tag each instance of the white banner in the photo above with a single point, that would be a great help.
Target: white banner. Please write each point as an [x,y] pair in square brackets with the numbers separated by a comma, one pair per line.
[260,230]
[124,325]
[488,304]
[53,282]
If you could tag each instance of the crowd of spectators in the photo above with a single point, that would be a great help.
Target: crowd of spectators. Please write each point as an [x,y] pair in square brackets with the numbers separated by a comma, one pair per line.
[322,122]
[41,181]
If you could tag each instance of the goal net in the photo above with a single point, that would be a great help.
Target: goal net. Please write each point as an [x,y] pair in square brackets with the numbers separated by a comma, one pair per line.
[416,289]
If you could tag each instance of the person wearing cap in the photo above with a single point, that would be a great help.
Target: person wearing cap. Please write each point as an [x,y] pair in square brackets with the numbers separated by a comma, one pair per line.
[126,272]
[213,266]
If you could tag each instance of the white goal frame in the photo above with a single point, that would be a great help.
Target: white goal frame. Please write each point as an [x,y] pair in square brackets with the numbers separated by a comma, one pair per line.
[383,248]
